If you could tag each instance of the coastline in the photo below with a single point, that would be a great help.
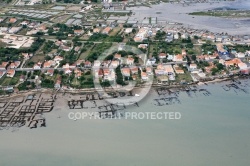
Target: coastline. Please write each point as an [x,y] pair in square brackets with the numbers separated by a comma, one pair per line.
[91,90]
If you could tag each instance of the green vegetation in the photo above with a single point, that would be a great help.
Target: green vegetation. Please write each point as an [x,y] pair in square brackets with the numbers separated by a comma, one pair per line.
[160,35]
[69,1]
[97,50]
[222,13]
[219,67]
[208,48]
[26,85]
[241,48]
[6,1]
[47,83]
[12,54]
[48,46]
[105,37]
[119,79]
[63,30]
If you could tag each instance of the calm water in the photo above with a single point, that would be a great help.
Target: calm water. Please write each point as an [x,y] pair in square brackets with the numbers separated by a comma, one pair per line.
[213,130]
[179,13]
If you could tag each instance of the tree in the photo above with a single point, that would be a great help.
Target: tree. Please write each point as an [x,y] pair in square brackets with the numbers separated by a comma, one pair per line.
[24,72]
[214,71]
[50,31]
[56,71]
[119,79]
[133,30]
[205,63]
[220,66]
[193,57]
[196,37]
[47,58]
[82,78]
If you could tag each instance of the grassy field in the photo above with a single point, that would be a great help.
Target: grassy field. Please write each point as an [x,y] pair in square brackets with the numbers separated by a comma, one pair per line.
[2,44]
[228,13]
[6,81]
[54,77]
[23,31]
[187,77]
[115,31]
[85,54]
[37,58]
[61,18]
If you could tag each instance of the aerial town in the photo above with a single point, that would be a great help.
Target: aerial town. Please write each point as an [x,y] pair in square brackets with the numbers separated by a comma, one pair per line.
[124,82]
[57,46]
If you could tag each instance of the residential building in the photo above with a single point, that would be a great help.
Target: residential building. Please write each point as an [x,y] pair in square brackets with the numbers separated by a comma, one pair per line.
[27,55]
[128,30]
[96,30]
[233,62]
[125,72]
[12,20]
[24,23]
[78,73]
[106,30]
[50,72]
[87,64]
[67,71]
[97,63]
[14,30]
[117,56]
[15,64]
[193,66]
[130,61]
[178,58]
[22,78]
[144,76]
[49,64]
[242,65]
[78,32]
[240,55]
[178,70]
[58,59]
[3,66]
[143,46]
[2,73]
[141,35]
[151,61]
[11,73]
[149,70]
[114,64]
[58,83]
[162,55]
[134,70]
[37,66]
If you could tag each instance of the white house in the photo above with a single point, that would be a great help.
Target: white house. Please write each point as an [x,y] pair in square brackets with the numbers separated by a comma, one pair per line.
[240,55]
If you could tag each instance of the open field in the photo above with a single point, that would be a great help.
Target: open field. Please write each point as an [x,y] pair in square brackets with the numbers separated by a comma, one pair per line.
[5,81]
[85,54]
[181,77]
[115,31]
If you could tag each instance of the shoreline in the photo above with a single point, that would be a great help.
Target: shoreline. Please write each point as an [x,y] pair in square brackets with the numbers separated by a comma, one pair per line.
[92,90]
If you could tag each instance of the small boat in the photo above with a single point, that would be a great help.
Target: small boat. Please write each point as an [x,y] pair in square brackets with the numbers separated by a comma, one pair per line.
[137,95]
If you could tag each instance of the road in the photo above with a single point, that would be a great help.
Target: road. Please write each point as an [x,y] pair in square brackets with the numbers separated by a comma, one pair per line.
[88,68]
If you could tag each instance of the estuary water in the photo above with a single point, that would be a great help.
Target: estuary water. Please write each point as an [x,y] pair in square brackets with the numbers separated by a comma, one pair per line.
[177,12]
[213,130]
